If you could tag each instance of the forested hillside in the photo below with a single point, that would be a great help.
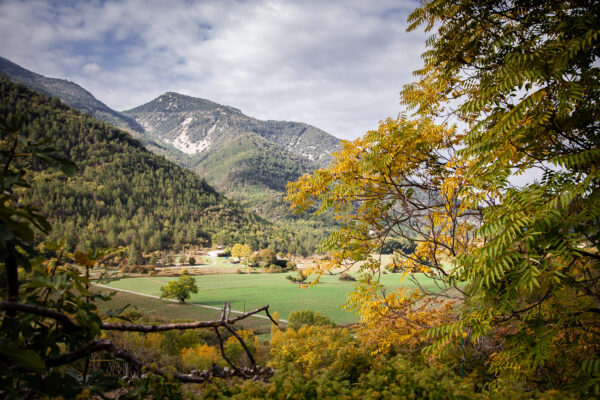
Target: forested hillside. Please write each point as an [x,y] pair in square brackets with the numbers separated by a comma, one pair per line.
[70,93]
[123,194]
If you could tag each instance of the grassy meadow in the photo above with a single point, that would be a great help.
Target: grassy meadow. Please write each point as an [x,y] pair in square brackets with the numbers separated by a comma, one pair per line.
[255,290]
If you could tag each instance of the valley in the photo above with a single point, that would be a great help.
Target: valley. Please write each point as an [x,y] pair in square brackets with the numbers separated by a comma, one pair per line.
[183,249]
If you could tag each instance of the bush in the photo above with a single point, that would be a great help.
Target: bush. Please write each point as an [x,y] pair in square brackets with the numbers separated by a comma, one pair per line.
[346,277]
[297,319]
[403,245]
[299,278]
[138,269]
[200,356]
[192,261]
[273,269]
[266,257]
[226,253]
[290,265]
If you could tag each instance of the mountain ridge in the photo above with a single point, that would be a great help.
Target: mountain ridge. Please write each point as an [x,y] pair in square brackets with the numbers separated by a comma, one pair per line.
[69,92]
[123,194]
[193,125]
[188,130]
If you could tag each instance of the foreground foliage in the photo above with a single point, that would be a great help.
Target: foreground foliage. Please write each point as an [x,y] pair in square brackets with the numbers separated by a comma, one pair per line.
[50,327]
[518,266]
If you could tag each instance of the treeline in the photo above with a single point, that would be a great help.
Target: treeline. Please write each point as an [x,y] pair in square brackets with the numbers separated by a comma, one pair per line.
[123,194]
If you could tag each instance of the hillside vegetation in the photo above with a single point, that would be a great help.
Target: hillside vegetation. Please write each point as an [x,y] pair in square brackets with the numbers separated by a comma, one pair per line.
[70,93]
[122,194]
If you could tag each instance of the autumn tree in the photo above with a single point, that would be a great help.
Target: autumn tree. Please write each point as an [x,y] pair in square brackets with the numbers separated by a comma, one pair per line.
[241,251]
[521,80]
[388,184]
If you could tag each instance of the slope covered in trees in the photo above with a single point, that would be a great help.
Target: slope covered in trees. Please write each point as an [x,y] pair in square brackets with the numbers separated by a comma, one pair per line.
[122,194]
[69,92]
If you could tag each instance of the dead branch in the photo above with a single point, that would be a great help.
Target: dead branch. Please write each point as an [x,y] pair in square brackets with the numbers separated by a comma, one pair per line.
[195,377]
[107,346]
[65,321]
[70,325]
[190,325]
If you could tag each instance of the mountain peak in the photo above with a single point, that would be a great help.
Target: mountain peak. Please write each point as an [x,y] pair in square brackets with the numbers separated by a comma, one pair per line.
[177,102]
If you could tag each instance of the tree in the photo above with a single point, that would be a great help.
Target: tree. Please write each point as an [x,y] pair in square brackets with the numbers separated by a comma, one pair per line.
[241,251]
[524,80]
[266,257]
[180,288]
[235,250]
[521,78]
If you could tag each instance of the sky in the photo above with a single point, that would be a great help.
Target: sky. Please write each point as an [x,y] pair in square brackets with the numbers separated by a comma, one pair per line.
[337,65]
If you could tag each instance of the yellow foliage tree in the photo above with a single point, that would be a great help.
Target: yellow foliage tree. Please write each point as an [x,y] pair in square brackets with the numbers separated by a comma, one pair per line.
[522,80]
[400,181]
[201,356]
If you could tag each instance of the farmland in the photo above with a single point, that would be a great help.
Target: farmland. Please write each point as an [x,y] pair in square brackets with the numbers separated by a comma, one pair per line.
[249,291]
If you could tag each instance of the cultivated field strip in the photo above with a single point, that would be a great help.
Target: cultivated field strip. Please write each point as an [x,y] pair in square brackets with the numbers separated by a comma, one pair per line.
[177,301]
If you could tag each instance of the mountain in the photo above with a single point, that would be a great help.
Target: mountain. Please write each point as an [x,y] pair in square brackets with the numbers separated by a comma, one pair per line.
[126,195]
[193,125]
[246,159]
[70,93]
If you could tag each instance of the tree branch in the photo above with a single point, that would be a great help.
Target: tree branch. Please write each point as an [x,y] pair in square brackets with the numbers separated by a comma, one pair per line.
[41,311]
[106,345]
[189,325]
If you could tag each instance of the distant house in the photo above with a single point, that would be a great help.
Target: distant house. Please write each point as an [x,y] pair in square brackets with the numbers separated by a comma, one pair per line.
[216,253]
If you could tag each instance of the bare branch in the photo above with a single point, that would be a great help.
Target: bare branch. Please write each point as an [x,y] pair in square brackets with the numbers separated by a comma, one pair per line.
[41,311]
[106,345]
[188,325]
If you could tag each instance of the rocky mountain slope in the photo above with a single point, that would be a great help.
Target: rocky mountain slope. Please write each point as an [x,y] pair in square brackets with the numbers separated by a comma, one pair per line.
[248,159]
[193,125]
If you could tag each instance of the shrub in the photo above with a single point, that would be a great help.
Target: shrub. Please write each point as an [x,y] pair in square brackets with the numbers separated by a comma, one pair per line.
[234,349]
[138,269]
[299,278]
[273,269]
[290,265]
[346,277]
[297,319]
[192,261]
[314,350]
[200,356]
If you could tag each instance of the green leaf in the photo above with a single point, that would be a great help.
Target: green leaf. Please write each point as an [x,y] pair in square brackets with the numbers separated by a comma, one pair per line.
[27,359]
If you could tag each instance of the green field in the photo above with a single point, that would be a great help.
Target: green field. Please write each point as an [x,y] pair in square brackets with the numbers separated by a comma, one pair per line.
[255,290]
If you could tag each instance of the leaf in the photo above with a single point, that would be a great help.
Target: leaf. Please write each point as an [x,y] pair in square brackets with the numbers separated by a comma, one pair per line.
[27,359]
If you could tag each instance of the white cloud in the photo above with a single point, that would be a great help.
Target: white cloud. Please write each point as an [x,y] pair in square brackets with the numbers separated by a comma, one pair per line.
[338,65]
